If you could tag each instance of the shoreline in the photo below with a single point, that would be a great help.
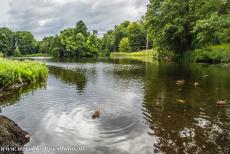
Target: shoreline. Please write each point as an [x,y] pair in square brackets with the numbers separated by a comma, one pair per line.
[9,90]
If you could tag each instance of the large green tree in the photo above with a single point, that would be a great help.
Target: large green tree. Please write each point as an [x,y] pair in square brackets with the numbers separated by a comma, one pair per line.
[183,25]
[7,41]
[168,22]
[93,45]
[25,42]
[119,32]
[81,28]
[136,36]
[107,45]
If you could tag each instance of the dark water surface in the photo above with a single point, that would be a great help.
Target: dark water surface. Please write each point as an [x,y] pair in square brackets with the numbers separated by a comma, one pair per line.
[142,108]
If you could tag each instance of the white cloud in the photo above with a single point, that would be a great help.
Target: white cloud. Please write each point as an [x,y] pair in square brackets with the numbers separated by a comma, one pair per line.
[48,17]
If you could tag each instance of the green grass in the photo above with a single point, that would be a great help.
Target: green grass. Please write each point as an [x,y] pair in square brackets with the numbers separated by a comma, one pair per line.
[19,72]
[211,54]
[145,55]
[36,55]
[1,55]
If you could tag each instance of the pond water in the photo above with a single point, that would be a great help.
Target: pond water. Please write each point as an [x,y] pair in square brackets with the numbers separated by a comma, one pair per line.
[143,110]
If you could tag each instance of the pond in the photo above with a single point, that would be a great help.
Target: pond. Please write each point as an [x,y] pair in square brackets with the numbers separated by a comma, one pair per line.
[143,108]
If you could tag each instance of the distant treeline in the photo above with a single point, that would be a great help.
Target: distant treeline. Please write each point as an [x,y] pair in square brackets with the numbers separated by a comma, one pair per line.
[168,25]
[77,41]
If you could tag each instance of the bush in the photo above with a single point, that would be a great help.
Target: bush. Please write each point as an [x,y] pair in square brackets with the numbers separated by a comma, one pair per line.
[17,72]
[211,54]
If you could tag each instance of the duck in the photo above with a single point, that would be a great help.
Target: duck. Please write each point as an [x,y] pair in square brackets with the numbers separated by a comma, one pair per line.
[221,102]
[180,82]
[96,114]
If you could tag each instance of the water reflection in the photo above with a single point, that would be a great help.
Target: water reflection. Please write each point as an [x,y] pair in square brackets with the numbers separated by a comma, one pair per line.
[139,104]
[194,126]
[71,77]
[16,95]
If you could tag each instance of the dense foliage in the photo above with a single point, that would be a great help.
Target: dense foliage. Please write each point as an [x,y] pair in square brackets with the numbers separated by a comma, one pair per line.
[126,37]
[12,72]
[7,41]
[210,54]
[72,42]
[169,25]
[25,42]
[184,25]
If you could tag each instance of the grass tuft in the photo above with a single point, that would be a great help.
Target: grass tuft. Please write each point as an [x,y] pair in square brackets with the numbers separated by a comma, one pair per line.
[19,72]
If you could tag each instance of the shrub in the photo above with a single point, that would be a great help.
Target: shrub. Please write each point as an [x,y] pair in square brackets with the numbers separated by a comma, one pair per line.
[211,54]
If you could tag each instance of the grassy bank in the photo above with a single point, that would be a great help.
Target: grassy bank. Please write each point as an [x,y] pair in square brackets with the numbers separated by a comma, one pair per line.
[35,55]
[16,73]
[211,54]
[145,55]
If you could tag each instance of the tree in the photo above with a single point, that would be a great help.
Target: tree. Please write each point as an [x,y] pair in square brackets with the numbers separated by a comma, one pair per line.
[136,36]
[81,28]
[180,26]
[212,24]
[93,46]
[124,45]
[169,24]
[211,31]
[7,41]
[107,44]
[68,41]
[119,32]
[25,42]
[81,47]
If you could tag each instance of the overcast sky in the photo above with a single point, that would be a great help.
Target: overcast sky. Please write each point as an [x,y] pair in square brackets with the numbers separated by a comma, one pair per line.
[48,17]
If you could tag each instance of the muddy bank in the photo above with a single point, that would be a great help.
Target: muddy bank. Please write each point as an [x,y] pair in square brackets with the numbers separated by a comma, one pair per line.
[11,135]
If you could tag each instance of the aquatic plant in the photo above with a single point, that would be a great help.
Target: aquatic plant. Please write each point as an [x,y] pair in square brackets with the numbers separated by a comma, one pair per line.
[19,72]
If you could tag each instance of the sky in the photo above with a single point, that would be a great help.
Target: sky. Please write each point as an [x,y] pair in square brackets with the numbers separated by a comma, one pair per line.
[49,17]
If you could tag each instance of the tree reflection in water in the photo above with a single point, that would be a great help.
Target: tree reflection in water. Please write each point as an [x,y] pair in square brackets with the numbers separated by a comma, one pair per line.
[196,126]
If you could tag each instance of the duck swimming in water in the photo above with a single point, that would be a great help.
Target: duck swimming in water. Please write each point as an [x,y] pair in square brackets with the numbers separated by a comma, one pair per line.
[96,114]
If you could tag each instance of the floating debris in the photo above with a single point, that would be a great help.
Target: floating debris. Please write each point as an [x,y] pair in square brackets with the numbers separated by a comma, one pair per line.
[196,84]
[221,102]
[96,114]
[180,82]
[180,101]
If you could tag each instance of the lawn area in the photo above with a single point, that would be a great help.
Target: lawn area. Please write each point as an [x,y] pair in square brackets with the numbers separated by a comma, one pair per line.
[145,55]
